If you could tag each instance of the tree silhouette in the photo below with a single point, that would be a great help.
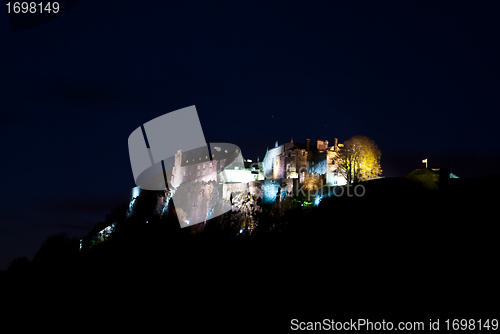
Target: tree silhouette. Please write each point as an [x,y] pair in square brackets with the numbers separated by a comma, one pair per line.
[117,215]
[19,264]
[57,252]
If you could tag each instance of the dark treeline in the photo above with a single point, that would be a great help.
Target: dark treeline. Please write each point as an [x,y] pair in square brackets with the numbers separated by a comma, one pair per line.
[399,232]
[391,213]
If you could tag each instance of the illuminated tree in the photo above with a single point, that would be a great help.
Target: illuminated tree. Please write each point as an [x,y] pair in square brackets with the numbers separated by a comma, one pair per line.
[310,188]
[360,159]
[312,182]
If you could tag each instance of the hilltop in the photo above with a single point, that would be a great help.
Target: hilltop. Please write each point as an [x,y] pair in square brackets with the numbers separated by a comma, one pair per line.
[401,230]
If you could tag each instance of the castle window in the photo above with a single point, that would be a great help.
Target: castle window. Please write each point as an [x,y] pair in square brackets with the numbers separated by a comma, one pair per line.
[198,174]
[198,167]
[303,153]
[203,166]
[203,173]
[184,173]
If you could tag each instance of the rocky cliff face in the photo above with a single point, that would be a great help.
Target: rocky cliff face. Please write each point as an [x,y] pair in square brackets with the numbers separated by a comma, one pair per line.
[244,210]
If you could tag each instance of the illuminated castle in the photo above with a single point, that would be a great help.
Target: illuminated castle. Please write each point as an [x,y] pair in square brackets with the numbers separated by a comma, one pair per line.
[225,166]
[287,161]
[293,160]
[283,169]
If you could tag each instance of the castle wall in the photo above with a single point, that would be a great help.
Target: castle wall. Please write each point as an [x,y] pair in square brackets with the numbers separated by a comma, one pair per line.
[272,156]
[233,188]
[291,165]
[241,175]
[318,164]
[302,163]
[203,171]
[279,167]
[253,187]
[322,145]
[266,190]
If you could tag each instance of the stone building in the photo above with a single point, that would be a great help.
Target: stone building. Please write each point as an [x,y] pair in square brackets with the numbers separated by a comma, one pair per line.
[207,178]
[294,160]
[291,160]
[225,166]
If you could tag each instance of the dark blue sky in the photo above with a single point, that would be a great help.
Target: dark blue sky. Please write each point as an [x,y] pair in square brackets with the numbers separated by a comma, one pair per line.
[421,78]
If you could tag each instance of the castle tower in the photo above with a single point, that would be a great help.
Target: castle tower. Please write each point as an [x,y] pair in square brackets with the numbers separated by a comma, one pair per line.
[322,145]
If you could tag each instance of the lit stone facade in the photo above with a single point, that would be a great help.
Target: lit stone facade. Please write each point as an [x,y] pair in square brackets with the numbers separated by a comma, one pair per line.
[293,160]
[202,180]
[287,161]
[225,167]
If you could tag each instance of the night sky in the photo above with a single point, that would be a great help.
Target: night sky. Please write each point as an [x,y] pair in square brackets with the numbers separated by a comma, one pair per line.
[420,78]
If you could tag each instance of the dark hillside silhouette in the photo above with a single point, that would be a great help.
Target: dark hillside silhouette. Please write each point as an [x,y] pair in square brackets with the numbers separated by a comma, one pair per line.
[399,233]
